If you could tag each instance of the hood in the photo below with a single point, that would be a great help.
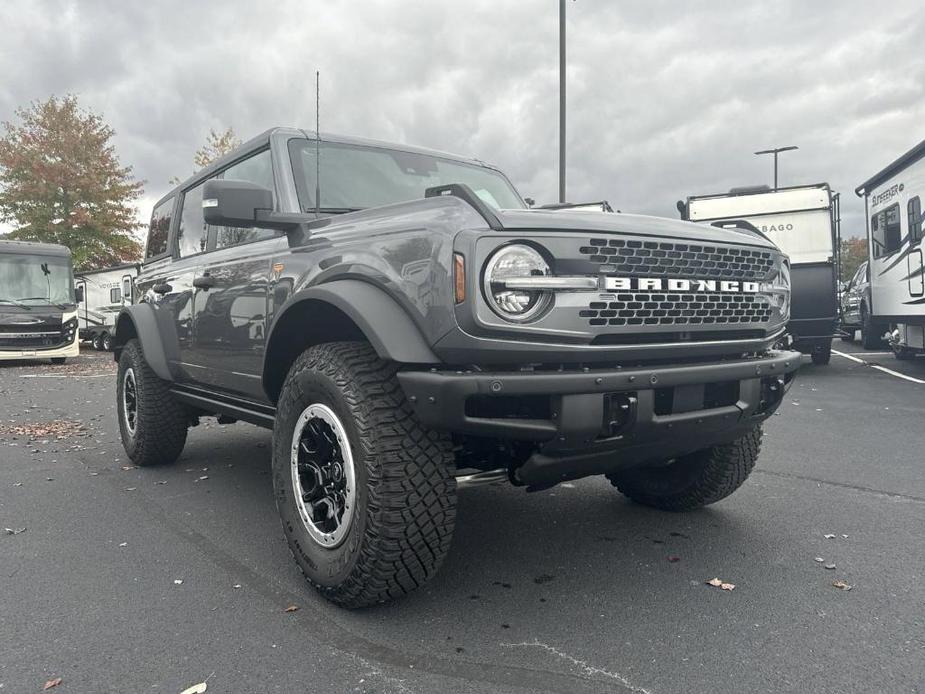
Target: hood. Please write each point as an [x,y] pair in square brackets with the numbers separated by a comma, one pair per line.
[642,225]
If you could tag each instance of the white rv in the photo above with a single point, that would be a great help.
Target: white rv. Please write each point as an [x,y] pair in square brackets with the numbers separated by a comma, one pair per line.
[101,294]
[803,222]
[893,203]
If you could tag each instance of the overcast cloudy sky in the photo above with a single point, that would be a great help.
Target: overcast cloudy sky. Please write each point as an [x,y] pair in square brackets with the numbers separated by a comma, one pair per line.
[664,100]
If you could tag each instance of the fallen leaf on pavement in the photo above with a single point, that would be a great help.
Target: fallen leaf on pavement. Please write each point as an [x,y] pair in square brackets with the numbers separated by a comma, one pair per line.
[178,581]
[830,566]
[728,586]
[292,608]
[842,585]
[50,684]
[14,531]
[672,558]
[196,689]
[819,559]
[717,583]
[130,489]
[829,536]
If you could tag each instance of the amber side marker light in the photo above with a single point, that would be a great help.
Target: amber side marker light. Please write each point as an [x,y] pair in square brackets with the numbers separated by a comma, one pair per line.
[459,277]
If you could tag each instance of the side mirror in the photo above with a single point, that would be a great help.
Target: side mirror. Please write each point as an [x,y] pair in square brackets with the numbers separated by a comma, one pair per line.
[246,205]
[234,203]
[79,294]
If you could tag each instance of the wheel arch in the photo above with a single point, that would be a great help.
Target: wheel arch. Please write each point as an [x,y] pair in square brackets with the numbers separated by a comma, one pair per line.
[139,322]
[343,310]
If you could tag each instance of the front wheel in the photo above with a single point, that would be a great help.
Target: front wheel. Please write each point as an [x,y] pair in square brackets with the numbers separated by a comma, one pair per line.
[152,423]
[870,339]
[366,496]
[691,481]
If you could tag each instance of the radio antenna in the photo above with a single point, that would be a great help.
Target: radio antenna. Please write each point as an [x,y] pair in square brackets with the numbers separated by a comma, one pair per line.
[317,143]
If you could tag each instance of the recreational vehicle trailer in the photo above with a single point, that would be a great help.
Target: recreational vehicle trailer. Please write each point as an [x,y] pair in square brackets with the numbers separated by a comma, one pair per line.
[101,294]
[803,222]
[893,204]
[38,313]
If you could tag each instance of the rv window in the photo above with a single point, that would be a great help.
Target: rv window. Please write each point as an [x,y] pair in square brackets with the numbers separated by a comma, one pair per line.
[915,219]
[159,229]
[115,295]
[886,231]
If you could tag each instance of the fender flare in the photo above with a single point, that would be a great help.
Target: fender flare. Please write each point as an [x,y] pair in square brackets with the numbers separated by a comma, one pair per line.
[141,317]
[387,326]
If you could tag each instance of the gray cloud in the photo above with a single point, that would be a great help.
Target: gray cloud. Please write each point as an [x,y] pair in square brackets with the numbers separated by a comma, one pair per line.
[664,100]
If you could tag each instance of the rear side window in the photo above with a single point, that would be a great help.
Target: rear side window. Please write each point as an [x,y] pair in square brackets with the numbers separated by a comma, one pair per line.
[886,231]
[115,295]
[159,230]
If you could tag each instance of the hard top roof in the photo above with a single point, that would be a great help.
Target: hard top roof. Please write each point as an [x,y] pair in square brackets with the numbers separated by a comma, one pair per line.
[891,169]
[263,139]
[123,266]
[33,247]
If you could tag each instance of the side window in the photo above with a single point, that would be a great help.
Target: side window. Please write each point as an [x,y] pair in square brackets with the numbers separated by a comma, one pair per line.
[193,234]
[257,169]
[886,231]
[115,295]
[159,229]
[915,219]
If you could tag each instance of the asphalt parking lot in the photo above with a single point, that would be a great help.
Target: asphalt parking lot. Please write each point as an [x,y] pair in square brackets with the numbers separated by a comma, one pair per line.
[153,580]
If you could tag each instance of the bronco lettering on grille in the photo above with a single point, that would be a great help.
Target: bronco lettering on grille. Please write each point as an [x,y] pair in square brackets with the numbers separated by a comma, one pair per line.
[658,284]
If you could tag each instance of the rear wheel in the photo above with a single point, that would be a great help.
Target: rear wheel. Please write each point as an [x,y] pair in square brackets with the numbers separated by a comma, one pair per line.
[152,423]
[106,342]
[822,355]
[97,341]
[366,495]
[691,481]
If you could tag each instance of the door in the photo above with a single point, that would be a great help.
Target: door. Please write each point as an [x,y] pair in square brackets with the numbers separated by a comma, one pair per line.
[230,295]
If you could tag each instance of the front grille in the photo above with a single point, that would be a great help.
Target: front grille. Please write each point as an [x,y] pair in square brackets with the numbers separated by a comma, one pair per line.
[647,308]
[656,258]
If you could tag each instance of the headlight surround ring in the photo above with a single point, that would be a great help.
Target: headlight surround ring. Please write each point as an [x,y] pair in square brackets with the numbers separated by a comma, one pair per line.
[516,260]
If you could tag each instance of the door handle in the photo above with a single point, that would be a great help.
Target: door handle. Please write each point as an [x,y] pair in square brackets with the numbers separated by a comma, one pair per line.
[162,288]
[204,282]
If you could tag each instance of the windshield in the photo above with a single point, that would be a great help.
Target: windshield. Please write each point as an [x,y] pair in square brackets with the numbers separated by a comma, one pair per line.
[36,279]
[354,177]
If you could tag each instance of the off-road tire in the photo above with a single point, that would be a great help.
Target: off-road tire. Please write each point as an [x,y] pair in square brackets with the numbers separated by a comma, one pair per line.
[106,342]
[161,423]
[823,356]
[870,339]
[694,480]
[405,504]
[57,361]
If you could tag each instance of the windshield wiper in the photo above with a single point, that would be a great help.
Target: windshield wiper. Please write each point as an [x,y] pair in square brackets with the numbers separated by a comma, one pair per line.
[15,302]
[44,298]
[335,210]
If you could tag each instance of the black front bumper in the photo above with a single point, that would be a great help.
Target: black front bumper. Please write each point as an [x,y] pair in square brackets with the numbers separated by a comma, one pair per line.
[601,419]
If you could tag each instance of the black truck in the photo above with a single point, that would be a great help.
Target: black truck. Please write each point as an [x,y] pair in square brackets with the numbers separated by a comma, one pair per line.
[405,324]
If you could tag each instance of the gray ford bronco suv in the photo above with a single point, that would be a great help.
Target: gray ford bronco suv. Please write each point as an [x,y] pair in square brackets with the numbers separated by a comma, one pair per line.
[404,323]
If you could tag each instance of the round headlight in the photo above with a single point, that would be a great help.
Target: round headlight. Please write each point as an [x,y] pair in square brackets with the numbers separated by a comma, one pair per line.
[512,263]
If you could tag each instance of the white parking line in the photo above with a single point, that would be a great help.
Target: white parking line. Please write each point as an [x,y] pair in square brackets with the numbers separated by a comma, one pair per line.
[64,375]
[878,367]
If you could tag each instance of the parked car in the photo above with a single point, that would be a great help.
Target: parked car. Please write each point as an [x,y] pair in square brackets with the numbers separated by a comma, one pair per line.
[855,310]
[403,323]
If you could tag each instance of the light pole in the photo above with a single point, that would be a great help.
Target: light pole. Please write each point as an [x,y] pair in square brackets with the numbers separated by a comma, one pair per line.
[775,151]
[561,100]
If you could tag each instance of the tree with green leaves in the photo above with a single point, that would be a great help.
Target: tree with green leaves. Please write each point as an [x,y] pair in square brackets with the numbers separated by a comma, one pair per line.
[853,253]
[217,146]
[61,182]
